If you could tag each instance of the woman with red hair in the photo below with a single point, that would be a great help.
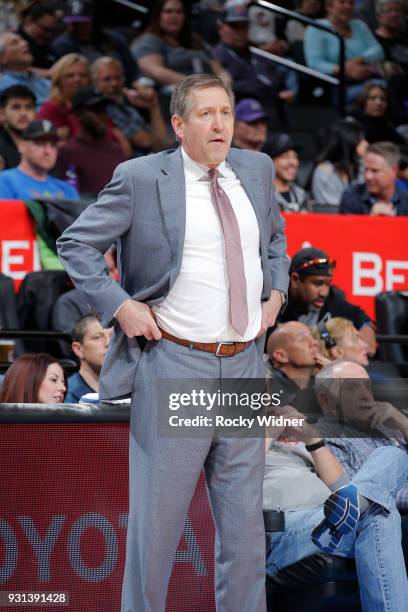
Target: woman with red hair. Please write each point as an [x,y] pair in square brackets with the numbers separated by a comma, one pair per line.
[34,379]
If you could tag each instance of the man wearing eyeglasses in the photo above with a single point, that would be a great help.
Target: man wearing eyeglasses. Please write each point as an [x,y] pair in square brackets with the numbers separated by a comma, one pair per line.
[312,296]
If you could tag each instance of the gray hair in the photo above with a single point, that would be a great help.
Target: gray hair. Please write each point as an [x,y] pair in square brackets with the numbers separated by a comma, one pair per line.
[381,4]
[180,104]
[387,150]
[105,60]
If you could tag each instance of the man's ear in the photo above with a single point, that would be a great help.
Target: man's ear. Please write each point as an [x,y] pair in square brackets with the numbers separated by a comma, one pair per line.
[77,349]
[295,280]
[177,124]
[279,357]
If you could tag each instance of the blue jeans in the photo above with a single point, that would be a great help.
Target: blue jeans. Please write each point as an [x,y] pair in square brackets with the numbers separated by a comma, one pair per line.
[375,544]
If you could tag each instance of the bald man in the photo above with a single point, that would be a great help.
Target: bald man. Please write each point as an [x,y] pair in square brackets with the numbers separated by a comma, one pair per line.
[358,519]
[293,355]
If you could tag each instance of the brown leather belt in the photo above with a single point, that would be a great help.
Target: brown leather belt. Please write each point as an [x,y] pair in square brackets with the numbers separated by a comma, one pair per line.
[221,349]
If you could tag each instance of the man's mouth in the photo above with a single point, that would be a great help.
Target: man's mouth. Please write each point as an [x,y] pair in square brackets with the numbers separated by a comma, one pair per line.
[218,140]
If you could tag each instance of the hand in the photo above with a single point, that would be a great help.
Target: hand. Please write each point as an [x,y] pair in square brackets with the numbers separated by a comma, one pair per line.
[141,96]
[384,413]
[270,311]
[306,432]
[136,319]
[286,94]
[386,209]
[321,361]
[277,46]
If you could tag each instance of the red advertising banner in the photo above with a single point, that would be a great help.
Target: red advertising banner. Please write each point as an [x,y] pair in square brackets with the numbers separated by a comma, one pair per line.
[371,252]
[18,245]
[63,517]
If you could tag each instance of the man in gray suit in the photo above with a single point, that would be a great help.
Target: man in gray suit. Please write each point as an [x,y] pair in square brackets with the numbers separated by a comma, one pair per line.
[203,272]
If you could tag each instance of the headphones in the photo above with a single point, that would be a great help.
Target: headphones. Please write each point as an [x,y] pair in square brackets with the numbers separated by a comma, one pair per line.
[329,342]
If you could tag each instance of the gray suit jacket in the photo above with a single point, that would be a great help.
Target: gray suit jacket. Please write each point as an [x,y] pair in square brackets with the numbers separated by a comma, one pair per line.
[143,208]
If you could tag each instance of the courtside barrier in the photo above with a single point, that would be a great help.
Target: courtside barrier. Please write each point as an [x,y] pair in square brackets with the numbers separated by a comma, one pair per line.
[63,512]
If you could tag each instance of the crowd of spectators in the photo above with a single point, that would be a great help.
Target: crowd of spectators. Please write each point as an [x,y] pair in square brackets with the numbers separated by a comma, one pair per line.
[77,99]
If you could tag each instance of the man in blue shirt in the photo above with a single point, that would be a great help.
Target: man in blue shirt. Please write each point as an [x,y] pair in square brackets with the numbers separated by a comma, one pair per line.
[30,179]
[379,195]
[16,62]
[90,343]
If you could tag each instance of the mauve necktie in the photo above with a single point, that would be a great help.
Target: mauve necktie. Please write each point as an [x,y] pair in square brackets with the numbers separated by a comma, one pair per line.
[238,304]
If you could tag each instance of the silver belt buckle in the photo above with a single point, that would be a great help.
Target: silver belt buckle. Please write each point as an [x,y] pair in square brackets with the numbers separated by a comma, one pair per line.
[219,346]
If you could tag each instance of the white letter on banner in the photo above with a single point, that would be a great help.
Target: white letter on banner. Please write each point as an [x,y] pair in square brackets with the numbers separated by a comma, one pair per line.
[42,547]
[373,273]
[10,547]
[9,260]
[101,523]
[391,278]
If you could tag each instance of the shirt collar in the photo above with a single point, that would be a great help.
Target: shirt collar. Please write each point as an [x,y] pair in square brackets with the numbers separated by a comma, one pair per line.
[196,172]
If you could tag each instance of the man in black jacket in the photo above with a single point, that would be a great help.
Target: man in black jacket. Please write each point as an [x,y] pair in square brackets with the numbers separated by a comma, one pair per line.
[17,110]
[311,295]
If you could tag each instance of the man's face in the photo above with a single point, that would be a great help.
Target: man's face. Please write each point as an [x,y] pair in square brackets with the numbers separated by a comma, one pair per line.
[392,16]
[287,165]
[16,52]
[18,113]
[250,135]
[109,80]
[234,34]
[206,132]
[40,153]
[350,390]
[311,8]
[301,349]
[378,175]
[94,345]
[44,29]
[312,290]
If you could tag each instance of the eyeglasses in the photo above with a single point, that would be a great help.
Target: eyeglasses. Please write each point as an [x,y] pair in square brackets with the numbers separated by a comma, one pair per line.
[315,262]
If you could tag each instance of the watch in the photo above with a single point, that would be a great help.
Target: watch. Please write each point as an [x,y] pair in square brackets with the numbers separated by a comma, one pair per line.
[316,445]
[283,298]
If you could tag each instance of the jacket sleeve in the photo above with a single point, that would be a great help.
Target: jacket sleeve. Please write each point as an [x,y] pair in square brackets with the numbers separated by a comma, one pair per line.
[82,245]
[277,256]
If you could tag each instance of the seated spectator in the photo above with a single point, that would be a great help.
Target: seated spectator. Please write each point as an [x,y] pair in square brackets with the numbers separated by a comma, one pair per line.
[372,114]
[68,74]
[379,195]
[91,154]
[311,295]
[305,480]
[84,37]
[340,162]
[34,379]
[109,80]
[264,31]
[339,339]
[17,110]
[16,63]
[355,424]
[284,153]
[295,30]
[363,52]
[293,355]
[90,344]
[31,178]
[250,128]
[253,76]
[392,32]
[39,27]
[168,51]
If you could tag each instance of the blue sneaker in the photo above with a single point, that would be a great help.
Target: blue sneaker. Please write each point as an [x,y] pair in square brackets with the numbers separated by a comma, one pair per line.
[342,511]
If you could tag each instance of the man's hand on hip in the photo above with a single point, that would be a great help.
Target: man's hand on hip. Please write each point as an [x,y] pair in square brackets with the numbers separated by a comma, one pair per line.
[270,311]
[136,319]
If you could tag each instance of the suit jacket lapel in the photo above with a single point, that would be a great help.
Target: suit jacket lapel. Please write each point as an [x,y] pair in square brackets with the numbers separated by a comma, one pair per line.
[252,184]
[172,191]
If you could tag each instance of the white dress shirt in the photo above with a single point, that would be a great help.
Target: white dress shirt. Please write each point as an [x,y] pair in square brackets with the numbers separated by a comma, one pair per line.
[197,306]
